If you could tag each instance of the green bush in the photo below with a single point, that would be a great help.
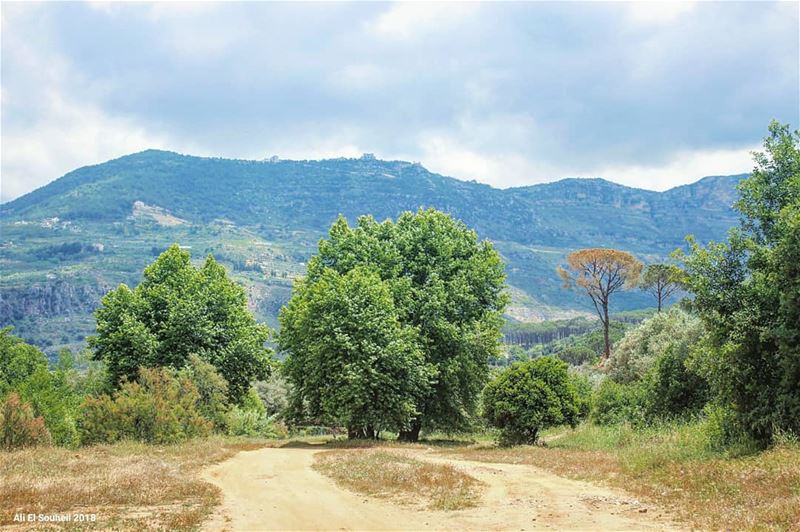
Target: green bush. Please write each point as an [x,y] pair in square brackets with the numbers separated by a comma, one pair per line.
[577,355]
[251,418]
[672,390]
[18,426]
[212,389]
[528,397]
[614,403]
[274,393]
[638,350]
[162,407]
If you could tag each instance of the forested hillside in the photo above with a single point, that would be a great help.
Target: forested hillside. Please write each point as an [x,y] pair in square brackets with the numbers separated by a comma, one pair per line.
[66,244]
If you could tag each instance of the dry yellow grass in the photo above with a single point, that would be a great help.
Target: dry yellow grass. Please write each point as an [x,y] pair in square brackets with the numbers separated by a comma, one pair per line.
[388,474]
[127,485]
[758,492]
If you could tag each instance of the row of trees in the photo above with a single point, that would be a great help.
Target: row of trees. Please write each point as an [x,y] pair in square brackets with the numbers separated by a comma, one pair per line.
[601,272]
[735,355]
[394,325]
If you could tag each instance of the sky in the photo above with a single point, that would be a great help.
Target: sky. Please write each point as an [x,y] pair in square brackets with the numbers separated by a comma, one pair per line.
[651,95]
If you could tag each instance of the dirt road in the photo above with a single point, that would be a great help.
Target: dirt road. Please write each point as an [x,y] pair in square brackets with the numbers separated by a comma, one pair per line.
[276,489]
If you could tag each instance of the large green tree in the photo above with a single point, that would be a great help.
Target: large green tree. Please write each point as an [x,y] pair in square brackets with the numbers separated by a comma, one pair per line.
[747,291]
[447,285]
[352,362]
[178,310]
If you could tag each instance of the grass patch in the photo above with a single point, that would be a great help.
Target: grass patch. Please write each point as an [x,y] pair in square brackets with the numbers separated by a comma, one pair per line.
[127,485]
[674,466]
[381,473]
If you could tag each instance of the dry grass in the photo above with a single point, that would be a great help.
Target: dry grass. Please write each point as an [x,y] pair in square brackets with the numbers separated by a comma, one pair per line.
[383,473]
[127,485]
[706,490]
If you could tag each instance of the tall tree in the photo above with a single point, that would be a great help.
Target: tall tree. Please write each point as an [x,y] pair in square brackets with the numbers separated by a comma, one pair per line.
[662,280]
[445,283]
[747,291]
[600,273]
[176,311]
[352,362]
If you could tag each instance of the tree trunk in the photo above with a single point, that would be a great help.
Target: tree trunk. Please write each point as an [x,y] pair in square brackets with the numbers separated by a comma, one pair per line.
[412,434]
[605,331]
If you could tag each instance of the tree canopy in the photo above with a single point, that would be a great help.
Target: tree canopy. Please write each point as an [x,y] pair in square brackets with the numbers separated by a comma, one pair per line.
[662,280]
[353,363]
[530,396]
[444,283]
[179,310]
[600,272]
[747,291]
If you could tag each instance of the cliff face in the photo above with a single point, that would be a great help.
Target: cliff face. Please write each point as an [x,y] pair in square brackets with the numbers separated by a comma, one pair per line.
[49,299]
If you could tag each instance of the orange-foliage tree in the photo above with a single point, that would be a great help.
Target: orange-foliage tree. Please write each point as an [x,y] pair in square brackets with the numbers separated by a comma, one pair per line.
[601,272]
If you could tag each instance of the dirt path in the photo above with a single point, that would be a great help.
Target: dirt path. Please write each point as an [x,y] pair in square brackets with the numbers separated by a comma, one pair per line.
[276,489]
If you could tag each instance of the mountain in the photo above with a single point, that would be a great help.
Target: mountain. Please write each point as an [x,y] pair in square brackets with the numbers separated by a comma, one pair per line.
[66,243]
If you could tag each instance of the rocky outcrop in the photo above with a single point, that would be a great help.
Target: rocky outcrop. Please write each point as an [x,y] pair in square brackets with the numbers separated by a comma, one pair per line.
[59,297]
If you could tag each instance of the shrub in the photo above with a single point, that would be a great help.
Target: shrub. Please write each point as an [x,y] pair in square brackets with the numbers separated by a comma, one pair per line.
[671,389]
[162,407]
[614,403]
[52,397]
[18,427]
[274,393]
[577,355]
[212,389]
[251,418]
[637,352]
[528,397]
[241,422]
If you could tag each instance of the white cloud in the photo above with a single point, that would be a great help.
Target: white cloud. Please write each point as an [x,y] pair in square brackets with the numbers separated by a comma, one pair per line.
[73,135]
[407,20]
[657,11]
[685,167]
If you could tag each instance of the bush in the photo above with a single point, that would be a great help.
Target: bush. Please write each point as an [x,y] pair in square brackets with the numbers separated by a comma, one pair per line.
[637,352]
[615,403]
[251,418]
[163,407]
[671,389]
[528,397]
[18,427]
[212,389]
[274,393]
[577,355]
[52,397]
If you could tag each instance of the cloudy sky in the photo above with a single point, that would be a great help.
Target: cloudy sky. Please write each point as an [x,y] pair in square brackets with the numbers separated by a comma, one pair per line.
[645,94]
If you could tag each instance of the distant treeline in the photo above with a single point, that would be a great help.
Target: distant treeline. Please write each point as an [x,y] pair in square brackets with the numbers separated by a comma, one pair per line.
[545,332]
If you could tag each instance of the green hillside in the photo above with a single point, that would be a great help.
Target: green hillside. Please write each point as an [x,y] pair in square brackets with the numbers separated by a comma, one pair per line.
[65,244]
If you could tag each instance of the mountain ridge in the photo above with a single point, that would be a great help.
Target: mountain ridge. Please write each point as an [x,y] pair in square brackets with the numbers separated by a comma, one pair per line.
[99,225]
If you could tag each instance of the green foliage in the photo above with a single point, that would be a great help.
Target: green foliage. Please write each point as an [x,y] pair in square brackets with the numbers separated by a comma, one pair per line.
[163,406]
[351,361]
[18,361]
[614,403]
[18,427]
[747,292]
[531,396]
[662,280]
[211,388]
[53,395]
[179,310]
[576,355]
[673,390]
[634,355]
[446,286]
[274,393]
